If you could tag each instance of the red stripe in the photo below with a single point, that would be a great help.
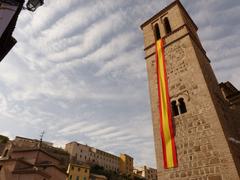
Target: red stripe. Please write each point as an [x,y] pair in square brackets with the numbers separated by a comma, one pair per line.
[169,109]
[160,111]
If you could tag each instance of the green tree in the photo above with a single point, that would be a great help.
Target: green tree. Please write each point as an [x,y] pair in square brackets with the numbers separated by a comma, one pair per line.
[3,139]
[111,175]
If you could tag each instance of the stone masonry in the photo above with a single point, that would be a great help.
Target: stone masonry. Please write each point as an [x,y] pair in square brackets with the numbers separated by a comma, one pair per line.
[202,134]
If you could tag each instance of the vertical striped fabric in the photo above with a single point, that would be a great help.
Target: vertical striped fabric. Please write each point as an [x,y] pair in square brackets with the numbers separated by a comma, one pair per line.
[166,130]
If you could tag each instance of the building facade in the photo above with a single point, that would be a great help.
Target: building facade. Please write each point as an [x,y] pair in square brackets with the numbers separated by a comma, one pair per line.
[20,143]
[147,173]
[204,120]
[7,41]
[31,164]
[78,172]
[126,164]
[80,153]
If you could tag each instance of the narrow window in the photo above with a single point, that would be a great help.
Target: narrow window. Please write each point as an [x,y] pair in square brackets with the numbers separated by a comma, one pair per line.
[5,153]
[157,32]
[174,108]
[182,106]
[167,25]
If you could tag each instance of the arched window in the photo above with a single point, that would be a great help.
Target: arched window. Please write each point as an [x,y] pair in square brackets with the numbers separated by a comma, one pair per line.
[5,153]
[174,108]
[182,106]
[157,32]
[167,25]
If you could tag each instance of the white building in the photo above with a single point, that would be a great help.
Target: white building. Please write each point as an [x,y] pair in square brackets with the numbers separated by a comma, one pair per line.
[80,153]
[147,172]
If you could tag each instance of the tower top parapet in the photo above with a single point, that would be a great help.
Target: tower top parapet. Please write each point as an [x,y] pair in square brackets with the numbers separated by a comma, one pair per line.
[163,11]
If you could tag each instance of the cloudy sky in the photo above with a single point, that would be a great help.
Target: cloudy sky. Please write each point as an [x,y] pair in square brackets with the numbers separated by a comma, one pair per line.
[78,71]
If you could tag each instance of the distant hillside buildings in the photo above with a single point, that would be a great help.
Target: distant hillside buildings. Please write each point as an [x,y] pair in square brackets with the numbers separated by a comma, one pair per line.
[28,159]
[146,172]
[78,171]
[30,165]
[80,153]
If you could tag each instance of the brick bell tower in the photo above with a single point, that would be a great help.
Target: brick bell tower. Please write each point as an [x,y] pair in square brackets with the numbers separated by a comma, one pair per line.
[202,122]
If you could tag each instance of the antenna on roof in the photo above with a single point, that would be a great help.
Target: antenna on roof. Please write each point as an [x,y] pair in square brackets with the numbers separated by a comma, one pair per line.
[41,138]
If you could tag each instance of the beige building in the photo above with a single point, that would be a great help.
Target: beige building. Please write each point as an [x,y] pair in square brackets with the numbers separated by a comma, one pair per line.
[20,143]
[206,115]
[147,173]
[78,172]
[80,153]
[125,164]
[32,164]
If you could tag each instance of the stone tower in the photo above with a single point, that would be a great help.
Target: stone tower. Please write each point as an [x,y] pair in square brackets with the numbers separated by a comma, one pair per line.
[206,124]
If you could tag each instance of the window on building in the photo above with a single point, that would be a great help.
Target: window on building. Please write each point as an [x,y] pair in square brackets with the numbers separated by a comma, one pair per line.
[77,177]
[167,25]
[5,153]
[182,106]
[86,170]
[157,32]
[174,108]
[0,168]
[72,168]
[70,177]
[79,169]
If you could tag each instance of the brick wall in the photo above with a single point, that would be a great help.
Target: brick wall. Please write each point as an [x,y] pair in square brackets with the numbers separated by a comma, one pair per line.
[201,134]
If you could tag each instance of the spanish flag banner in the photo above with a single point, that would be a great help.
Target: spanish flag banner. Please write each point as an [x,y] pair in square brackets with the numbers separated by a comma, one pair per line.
[166,130]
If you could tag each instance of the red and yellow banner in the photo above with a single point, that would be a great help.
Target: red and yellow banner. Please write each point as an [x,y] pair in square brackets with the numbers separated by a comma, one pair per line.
[168,144]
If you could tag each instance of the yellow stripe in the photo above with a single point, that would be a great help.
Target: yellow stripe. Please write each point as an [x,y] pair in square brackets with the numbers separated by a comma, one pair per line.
[164,108]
